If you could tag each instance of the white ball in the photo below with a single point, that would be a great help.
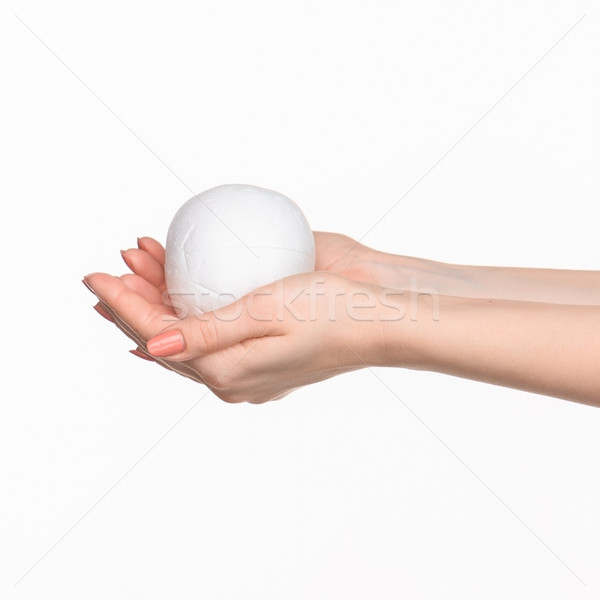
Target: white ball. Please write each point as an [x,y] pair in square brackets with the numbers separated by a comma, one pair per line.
[230,240]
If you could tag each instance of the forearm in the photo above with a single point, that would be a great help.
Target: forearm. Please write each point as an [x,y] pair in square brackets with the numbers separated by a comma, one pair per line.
[504,283]
[543,348]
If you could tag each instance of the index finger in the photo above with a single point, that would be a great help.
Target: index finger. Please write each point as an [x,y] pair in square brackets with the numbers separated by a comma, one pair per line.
[144,318]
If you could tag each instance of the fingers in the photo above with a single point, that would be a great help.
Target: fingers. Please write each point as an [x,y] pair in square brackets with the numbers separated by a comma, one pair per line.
[179,368]
[141,286]
[153,248]
[108,313]
[101,310]
[134,316]
[210,332]
[145,265]
[139,315]
[139,352]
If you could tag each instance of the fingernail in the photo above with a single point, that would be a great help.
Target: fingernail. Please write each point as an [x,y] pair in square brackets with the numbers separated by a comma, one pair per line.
[88,286]
[139,353]
[166,344]
[138,243]
[125,259]
[101,311]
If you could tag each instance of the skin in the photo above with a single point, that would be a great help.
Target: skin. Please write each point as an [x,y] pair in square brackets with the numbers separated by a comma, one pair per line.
[530,329]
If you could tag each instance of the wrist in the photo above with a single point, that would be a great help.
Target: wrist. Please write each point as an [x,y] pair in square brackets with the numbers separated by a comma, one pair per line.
[392,338]
[420,275]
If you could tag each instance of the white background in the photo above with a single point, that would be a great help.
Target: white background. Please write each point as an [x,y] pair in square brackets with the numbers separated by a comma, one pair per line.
[432,487]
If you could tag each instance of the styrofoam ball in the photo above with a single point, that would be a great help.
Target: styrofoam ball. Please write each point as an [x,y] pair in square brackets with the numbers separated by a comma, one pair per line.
[230,240]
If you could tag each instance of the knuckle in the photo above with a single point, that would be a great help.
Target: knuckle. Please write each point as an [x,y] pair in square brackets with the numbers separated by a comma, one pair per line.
[207,336]
[230,397]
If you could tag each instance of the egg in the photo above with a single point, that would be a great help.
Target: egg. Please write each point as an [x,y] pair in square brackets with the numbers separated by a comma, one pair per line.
[230,240]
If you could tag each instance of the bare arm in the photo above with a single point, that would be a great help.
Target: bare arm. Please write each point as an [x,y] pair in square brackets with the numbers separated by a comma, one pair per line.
[286,334]
[554,286]
[342,254]
[543,348]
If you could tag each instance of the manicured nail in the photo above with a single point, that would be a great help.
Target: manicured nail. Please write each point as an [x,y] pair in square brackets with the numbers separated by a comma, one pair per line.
[166,344]
[101,311]
[138,352]
[87,285]
[124,257]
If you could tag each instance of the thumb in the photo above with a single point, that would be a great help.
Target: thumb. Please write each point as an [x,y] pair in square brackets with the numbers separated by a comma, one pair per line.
[210,332]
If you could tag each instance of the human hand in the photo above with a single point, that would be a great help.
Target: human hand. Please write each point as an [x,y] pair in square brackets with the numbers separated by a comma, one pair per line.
[341,254]
[150,286]
[290,333]
[346,256]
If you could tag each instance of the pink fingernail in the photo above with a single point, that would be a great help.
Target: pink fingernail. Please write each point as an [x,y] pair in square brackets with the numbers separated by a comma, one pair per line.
[88,286]
[137,352]
[125,259]
[166,344]
[98,308]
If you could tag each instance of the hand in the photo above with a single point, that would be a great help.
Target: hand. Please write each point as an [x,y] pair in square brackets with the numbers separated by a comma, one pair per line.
[299,330]
[148,259]
[341,254]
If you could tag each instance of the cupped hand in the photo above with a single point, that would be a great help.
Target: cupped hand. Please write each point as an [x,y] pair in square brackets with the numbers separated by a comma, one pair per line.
[341,254]
[346,256]
[290,333]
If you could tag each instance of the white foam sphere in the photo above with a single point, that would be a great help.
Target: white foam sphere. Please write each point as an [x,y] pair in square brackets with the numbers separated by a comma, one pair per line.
[230,240]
